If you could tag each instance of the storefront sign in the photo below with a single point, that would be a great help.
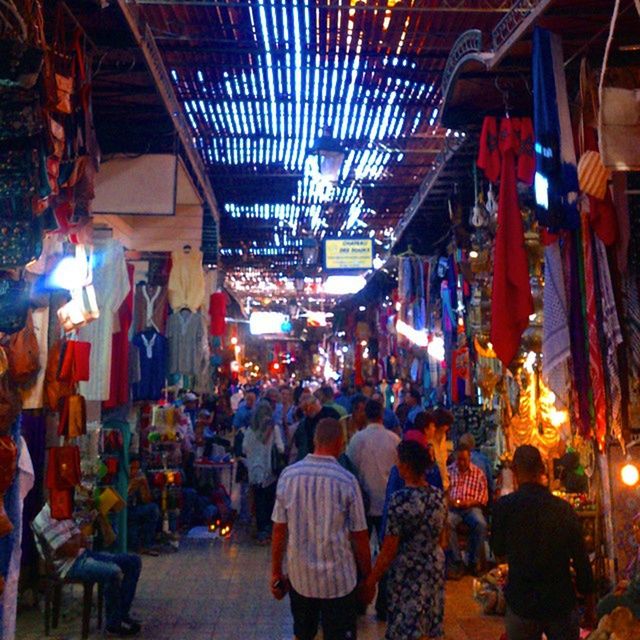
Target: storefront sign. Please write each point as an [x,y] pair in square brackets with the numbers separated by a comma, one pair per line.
[348,254]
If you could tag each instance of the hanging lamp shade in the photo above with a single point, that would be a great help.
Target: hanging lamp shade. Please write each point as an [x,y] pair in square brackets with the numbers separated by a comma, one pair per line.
[330,154]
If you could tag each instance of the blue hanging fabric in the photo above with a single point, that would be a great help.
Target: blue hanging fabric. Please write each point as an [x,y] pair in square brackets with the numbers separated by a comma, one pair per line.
[14,512]
[556,179]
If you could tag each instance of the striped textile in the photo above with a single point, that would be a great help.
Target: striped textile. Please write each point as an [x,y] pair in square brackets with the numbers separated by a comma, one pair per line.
[55,533]
[556,345]
[612,337]
[321,504]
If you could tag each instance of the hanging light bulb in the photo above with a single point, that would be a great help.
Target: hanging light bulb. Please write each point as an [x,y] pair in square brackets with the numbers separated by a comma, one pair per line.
[630,474]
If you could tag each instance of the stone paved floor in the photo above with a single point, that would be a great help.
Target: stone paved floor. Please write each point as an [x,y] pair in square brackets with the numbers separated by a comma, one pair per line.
[218,591]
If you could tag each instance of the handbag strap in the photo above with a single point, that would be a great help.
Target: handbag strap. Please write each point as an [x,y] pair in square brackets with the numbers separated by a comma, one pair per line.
[607,51]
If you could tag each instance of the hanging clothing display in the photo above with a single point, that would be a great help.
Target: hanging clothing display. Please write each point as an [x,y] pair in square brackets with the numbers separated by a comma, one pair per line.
[185,332]
[556,342]
[151,307]
[119,378]
[511,300]
[186,280]
[556,168]
[151,348]
[111,282]
[24,481]
[218,313]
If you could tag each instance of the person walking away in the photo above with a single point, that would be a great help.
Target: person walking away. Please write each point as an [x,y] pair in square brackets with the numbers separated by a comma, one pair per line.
[143,514]
[396,482]
[389,419]
[258,445]
[320,525]
[118,573]
[468,496]
[373,452]
[412,552]
[540,537]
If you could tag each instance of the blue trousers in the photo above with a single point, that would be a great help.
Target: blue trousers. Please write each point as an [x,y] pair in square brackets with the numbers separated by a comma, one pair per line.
[118,573]
[143,523]
[474,519]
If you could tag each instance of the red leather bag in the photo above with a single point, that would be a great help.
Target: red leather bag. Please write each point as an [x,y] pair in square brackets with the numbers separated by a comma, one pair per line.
[63,471]
[74,361]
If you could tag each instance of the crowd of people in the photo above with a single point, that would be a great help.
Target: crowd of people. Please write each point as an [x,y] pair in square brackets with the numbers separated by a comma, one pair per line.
[328,477]
[334,475]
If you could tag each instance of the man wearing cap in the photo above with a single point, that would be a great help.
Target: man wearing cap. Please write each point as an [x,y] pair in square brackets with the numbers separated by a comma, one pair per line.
[541,538]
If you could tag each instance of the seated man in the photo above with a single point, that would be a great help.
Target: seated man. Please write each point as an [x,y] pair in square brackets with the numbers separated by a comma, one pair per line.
[118,573]
[627,591]
[468,494]
[143,515]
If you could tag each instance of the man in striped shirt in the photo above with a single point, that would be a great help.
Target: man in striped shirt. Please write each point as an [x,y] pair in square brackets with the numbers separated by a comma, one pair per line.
[319,521]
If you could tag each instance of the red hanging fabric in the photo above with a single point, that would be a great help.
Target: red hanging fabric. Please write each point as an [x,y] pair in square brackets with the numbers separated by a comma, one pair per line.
[527,156]
[488,153]
[218,313]
[511,300]
[119,376]
[596,368]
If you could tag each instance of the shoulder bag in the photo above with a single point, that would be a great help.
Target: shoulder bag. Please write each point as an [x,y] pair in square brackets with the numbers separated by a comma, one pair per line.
[619,117]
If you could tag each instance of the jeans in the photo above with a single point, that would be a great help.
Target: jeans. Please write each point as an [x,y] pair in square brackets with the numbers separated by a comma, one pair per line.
[474,519]
[566,627]
[245,513]
[118,573]
[265,499]
[143,523]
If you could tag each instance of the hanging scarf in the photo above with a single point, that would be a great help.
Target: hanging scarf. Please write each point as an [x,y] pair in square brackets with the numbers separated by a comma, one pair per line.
[488,152]
[511,300]
[556,343]
[612,334]
[596,369]
[556,171]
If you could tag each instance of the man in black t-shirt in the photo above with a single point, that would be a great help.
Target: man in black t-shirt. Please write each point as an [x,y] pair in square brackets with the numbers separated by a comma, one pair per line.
[541,538]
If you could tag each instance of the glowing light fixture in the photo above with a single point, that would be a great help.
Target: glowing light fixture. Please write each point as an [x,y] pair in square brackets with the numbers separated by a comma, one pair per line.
[344,285]
[266,322]
[435,348]
[419,338]
[630,474]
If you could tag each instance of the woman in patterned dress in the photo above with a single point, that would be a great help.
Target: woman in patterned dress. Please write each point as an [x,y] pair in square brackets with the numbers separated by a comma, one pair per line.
[412,553]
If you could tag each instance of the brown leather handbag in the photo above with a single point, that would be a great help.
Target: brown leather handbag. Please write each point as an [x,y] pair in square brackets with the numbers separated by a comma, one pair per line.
[23,353]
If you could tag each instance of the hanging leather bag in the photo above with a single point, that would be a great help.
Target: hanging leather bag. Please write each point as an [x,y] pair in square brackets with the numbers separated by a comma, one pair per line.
[23,354]
[10,402]
[619,116]
[60,70]
[73,416]
[55,389]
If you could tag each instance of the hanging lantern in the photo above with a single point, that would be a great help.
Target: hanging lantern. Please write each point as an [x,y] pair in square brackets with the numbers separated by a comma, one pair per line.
[298,281]
[309,251]
[330,156]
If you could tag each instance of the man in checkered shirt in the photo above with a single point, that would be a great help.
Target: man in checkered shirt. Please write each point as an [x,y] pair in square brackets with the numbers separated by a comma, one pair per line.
[468,495]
